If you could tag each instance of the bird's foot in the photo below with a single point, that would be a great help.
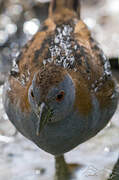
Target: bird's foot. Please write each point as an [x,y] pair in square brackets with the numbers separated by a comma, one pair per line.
[65,171]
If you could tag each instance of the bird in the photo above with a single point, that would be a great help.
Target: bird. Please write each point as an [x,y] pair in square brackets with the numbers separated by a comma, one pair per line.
[60,91]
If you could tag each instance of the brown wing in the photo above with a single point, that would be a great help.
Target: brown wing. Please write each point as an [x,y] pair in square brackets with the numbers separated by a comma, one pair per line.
[67,42]
[93,71]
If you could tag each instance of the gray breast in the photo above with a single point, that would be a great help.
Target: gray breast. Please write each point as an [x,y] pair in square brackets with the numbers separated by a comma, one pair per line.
[60,137]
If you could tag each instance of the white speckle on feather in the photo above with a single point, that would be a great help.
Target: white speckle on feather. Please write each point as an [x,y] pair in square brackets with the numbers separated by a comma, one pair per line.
[23,76]
[96,89]
[59,30]
[113,96]
[101,78]
[75,47]
[44,62]
[75,69]
[104,57]
[28,72]
[15,66]
[23,82]
[27,78]
[9,89]
[107,68]
[60,47]
[56,40]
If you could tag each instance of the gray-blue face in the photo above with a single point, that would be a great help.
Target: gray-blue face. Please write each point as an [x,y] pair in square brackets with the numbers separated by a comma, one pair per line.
[58,102]
[61,98]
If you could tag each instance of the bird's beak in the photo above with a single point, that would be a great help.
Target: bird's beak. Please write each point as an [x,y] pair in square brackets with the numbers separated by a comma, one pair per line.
[43,116]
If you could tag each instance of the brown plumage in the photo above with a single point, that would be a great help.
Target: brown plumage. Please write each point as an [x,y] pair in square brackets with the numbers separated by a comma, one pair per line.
[88,66]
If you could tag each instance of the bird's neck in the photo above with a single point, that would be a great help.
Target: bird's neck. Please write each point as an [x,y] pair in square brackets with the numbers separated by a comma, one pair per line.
[65,8]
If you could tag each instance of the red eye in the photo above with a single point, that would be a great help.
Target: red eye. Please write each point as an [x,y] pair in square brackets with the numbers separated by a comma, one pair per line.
[60,96]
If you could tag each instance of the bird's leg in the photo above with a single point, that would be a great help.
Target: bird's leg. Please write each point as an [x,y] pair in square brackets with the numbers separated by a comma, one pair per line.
[62,170]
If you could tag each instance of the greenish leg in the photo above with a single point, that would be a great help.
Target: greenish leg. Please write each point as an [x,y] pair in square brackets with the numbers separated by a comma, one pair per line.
[62,170]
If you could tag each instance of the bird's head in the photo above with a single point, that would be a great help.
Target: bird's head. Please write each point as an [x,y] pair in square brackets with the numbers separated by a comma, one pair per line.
[51,95]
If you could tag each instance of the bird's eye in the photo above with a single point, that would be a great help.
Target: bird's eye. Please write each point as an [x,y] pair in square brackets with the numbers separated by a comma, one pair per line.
[60,96]
[32,95]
